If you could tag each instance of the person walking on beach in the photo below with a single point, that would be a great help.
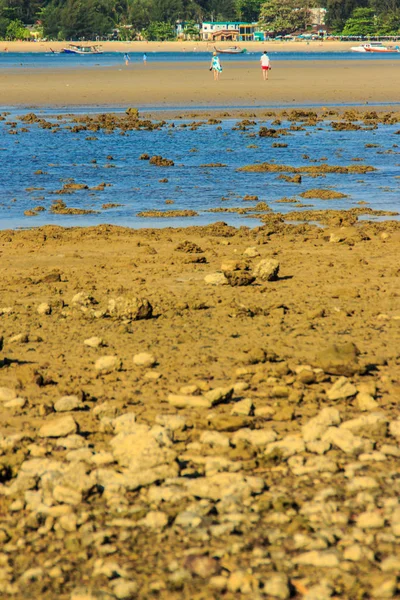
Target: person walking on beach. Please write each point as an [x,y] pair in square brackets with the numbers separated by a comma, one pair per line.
[145,59]
[127,58]
[215,66]
[265,65]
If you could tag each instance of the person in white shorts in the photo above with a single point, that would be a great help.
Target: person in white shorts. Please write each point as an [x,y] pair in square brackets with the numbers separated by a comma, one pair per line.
[265,65]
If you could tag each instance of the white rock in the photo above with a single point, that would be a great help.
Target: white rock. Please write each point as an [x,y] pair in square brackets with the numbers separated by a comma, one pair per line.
[184,401]
[391,563]
[277,586]
[172,422]
[318,447]
[102,458]
[394,429]
[324,559]
[67,403]
[342,388]
[216,279]
[188,519]
[370,520]
[315,464]
[79,455]
[108,364]
[219,395]
[354,553]
[44,309]
[139,450]
[251,252]
[223,485]
[94,342]
[125,423]
[214,438]
[316,427]
[58,428]
[123,589]
[68,522]
[362,483]
[16,404]
[144,359]
[7,394]
[346,441]
[255,437]
[321,591]
[243,407]
[267,269]
[290,445]
[372,424]
[154,519]
[366,402]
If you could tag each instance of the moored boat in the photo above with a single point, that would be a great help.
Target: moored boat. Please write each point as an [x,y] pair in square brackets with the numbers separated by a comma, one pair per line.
[78,49]
[231,50]
[375,47]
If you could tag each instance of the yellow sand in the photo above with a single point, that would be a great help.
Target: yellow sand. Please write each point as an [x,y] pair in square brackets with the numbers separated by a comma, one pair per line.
[357,82]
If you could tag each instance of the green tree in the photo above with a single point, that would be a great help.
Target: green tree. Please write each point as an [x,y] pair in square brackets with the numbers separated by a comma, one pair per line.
[361,22]
[389,24]
[139,14]
[249,10]
[159,31]
[191,31]
[284,16]
[338,11]
[16,31]
[163,11]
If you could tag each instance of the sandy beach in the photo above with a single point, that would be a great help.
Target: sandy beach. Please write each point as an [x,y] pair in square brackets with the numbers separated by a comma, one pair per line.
[181,46]
[172,84]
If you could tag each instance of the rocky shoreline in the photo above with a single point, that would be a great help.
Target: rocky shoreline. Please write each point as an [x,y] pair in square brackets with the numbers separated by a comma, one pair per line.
[200,413]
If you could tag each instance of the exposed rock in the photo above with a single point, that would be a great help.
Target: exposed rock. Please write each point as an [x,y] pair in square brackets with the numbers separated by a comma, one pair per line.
[67,403]
[130,308]
[342,388]
[340,360]
[216,279]
[144,359]
[108,364]
[267,269]
[58,428]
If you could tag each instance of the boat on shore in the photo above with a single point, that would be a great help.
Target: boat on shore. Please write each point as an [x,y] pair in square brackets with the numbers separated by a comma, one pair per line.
[231,50]
[78,49]
[377,47]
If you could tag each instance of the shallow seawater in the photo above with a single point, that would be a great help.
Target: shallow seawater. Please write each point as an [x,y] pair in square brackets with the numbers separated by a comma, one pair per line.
[135,184]
[32,60]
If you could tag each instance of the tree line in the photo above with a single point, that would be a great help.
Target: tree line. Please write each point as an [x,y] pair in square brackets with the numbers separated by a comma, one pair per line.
[155,19]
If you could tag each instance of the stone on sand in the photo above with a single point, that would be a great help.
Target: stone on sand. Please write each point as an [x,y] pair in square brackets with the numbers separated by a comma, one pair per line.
[267,269]
[58,428]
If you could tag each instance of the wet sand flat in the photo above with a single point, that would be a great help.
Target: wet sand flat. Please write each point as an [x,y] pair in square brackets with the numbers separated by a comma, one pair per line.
[171,84]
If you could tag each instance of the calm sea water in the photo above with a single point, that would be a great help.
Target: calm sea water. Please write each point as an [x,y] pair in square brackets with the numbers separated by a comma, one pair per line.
[14,60]
[66,156]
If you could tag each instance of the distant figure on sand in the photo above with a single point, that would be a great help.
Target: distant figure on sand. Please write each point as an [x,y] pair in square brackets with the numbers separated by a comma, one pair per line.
[127,58]
[265,65]
[215,66]
[145,59]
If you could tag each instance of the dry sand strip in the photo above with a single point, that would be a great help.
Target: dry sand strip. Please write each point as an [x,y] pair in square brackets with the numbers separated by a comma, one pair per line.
[200,413]
[187,46]
[172,84]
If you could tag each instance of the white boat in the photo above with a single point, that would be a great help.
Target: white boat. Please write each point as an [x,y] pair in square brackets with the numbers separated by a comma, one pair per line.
[77,49]
[374,47]
[231,50]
